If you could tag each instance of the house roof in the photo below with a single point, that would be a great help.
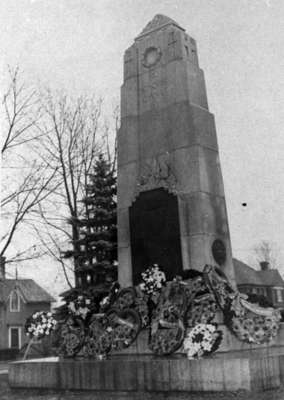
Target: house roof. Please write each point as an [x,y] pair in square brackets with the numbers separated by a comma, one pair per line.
[29,289]
[245,275]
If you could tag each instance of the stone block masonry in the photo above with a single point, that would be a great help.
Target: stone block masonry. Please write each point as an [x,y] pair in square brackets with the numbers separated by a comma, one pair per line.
[168,142]
[144,374]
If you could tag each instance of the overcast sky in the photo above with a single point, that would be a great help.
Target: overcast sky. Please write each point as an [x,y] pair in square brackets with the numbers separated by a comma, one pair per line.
[78,45]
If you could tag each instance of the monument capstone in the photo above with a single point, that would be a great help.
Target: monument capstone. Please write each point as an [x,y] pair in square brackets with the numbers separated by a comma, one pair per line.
[171,202]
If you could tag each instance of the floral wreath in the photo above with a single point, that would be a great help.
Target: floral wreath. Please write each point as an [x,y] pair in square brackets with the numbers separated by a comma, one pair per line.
[202,340]
[40,324]
[80,306]
[153,280]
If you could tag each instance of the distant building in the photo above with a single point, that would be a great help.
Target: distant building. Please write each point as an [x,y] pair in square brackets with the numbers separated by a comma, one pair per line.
[19,298]
[266,281]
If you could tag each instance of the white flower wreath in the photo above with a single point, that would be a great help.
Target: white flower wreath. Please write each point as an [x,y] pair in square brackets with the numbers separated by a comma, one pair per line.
[153,279]
[202,340]
[40,324]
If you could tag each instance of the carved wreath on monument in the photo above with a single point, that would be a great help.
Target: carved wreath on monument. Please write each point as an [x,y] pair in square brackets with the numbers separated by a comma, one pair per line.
[157,173]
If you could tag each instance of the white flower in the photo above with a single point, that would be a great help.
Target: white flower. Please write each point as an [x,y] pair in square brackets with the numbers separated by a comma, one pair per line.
[200,353]
[104,301]
[83,311]
[196,349]
[207,346]
[71,306]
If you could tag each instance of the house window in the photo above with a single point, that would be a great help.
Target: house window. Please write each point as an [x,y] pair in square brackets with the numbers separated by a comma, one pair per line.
[14,337]
[279,295]
[14,301]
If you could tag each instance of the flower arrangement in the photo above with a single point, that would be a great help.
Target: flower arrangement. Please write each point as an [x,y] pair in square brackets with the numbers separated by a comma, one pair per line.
[153,279]
[105,302]
[188,304]
[80,306]
[202,340]
[40,324]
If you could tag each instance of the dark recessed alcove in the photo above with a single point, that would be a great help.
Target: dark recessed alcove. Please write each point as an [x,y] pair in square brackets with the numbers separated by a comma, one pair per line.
[155,233]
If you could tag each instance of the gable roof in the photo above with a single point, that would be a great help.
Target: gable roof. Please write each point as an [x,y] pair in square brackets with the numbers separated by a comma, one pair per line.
[245,275]
[29,289]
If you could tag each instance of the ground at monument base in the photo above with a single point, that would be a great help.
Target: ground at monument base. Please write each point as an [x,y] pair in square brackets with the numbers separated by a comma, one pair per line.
[18,394]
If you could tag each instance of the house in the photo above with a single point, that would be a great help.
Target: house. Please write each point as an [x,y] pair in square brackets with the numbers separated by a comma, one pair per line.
[266,281]
[19,298]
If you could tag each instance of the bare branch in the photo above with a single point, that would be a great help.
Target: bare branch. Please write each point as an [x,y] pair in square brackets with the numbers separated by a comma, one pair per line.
[53,248]
[268,252]
[21,113]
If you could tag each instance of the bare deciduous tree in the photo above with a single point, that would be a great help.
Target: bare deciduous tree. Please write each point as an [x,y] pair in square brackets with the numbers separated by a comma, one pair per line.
[21,112]
[268,252]
[111,132]
[71,137]
[26,182]
[48,151]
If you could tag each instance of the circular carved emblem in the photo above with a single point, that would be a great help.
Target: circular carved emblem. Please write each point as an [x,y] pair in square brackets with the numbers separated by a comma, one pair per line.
[219,251]
[151,56]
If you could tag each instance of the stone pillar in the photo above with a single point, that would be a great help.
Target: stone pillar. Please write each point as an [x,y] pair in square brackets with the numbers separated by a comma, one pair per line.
[168,140]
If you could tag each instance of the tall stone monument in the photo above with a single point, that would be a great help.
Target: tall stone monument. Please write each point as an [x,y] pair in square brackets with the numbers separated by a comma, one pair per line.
[171,203]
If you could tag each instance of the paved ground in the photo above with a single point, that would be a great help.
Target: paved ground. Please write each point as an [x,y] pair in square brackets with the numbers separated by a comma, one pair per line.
[8,394]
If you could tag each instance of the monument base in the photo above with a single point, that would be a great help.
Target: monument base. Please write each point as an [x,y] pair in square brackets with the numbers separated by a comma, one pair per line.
[246,370]
[236,366]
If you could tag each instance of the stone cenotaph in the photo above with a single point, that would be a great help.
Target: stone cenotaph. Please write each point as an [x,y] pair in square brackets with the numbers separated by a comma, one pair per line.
[171,202]
[171,212]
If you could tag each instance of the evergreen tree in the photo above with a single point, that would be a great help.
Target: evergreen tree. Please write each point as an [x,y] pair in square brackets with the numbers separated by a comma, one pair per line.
[96,249]
[98,230]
